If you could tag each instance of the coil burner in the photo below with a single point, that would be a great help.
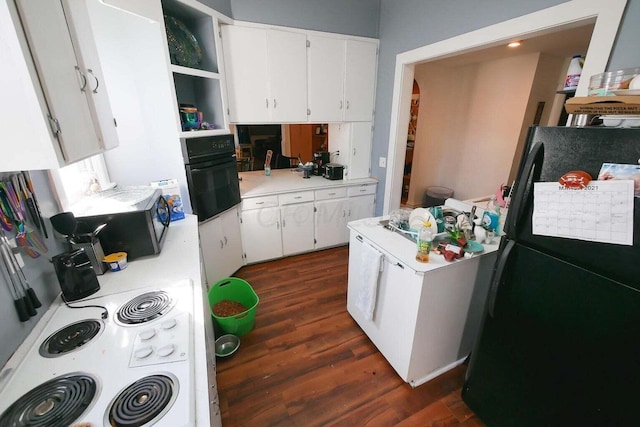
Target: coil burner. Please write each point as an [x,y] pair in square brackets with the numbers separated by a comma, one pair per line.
[143,402]
[145,307]
[70,338]
[57,402]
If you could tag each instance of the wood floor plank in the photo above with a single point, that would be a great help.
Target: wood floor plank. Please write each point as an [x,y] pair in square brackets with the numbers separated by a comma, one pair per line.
[307,363]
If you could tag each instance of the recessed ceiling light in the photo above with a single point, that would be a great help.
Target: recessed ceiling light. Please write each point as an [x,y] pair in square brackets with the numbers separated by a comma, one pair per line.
[514,44]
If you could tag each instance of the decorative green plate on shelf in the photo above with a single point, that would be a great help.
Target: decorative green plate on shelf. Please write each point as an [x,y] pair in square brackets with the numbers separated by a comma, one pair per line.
[183,46]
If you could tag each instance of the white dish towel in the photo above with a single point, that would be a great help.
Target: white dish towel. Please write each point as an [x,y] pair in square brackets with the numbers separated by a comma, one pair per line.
[370,268]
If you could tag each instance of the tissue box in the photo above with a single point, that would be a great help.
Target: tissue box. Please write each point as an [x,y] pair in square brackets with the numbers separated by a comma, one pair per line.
[171,192]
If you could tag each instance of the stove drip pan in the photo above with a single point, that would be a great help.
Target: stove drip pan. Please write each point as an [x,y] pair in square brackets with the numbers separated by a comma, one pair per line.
[144,402]
[57,402]
[145,307]
[70,338]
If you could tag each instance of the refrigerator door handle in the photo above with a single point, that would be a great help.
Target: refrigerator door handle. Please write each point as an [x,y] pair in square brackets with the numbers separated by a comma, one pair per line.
[497,276]
[522,189]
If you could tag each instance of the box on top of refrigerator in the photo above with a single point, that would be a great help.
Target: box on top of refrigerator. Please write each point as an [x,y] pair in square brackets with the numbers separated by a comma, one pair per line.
[171,192]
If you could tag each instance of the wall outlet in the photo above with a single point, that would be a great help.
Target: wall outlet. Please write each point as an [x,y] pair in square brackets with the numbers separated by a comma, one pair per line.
[382,162]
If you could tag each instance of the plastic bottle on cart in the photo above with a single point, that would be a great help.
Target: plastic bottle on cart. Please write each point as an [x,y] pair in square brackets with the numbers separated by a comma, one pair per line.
[573,73]
[425,241]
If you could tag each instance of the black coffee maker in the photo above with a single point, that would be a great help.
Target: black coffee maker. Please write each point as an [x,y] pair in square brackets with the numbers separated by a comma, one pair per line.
[320,158]
[75,274]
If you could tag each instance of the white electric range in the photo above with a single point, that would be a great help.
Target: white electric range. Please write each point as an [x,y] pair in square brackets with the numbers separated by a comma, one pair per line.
[134,367]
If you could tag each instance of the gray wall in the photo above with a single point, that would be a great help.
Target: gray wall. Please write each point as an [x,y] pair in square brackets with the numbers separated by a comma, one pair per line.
[222,6]
[39,273]
[409,24]
[353,17]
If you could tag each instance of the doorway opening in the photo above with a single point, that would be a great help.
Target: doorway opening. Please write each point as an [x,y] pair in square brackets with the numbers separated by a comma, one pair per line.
[411,139]
[566,16]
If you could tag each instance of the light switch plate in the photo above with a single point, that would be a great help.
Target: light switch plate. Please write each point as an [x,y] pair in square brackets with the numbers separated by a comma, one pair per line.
[382,162]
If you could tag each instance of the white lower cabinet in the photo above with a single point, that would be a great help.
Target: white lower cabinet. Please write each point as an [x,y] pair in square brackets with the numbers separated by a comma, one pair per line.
[292,223]
[361,202]
[331,223]
[334,209]
[221,246]
[297,228]
[261,236]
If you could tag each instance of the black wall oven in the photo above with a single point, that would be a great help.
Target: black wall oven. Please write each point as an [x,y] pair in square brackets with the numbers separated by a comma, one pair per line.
[212,174]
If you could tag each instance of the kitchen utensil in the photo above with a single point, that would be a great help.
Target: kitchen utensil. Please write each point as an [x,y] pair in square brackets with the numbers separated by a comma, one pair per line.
[27,178]
[29,244]
[472,218]
[24,284]
[21,309]
[65,223]
[21,301]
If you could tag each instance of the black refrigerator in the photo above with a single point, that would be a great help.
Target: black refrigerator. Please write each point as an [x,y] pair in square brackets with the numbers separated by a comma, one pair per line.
[560,339]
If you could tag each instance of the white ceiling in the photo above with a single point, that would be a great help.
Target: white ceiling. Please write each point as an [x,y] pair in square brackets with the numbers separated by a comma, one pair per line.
[564,43]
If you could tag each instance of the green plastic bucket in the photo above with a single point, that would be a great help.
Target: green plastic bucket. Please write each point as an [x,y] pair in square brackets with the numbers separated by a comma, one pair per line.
[238,290]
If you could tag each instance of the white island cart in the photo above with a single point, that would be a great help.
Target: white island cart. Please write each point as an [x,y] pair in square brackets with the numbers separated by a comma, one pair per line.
[426,315]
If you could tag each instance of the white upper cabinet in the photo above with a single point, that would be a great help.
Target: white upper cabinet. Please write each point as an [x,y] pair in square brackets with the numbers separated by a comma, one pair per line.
[361,63]
[62,46]
[23,120]
[287,71]
[342,78]
[266,74]
[325,67]
[353,142]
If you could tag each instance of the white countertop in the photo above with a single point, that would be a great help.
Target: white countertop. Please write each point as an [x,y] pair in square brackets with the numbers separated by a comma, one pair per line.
[179,259]
[404,250]
[256,183]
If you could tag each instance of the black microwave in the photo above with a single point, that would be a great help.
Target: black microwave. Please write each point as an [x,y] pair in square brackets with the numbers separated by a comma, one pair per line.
[137,221]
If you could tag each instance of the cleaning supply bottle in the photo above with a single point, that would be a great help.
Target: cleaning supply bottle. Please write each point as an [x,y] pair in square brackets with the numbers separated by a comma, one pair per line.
[425,241]
[491,217]
[573,73]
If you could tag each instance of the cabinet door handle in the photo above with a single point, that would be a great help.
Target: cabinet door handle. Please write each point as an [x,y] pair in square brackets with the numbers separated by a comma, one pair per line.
[298,197]
[267,102]
[354,151]
[259,203]
[275,104]
[347,105]
[221,244]
[341,105]
[278,225]
[225,240]
[332,194]
[83,77]
[359,238]
[95,89]
[284,224]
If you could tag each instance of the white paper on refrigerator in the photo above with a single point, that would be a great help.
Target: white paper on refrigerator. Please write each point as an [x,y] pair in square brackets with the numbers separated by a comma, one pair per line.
[600,212]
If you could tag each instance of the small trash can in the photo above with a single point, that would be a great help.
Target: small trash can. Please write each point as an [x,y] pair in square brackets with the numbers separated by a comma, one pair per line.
[238,290]
[436,196]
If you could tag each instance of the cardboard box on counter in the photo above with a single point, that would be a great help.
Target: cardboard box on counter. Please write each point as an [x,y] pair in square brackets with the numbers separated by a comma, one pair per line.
[171,192]
[629,104]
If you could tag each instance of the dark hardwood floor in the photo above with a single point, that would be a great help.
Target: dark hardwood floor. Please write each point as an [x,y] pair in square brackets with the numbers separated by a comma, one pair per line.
[307,363]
